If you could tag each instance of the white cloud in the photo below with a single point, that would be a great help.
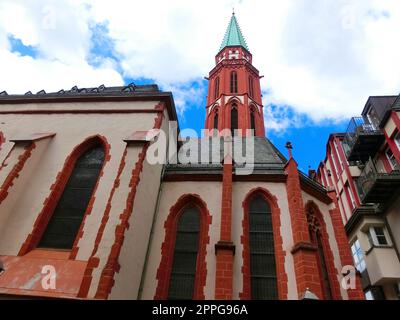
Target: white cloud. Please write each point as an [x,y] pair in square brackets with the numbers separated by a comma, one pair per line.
[60,34]
[321,58]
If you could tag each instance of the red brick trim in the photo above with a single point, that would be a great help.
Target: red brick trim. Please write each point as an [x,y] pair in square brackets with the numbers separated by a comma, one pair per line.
[224,257]
[112,266]
[305,261]
[56,191]
[344,247]
[312,209]
[93,260]
[167,248]
[2,139]
[385,161]
[393,146]
[14,173]
[280,254]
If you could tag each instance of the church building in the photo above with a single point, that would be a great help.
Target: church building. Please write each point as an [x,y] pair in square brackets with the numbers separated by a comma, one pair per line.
[85,213]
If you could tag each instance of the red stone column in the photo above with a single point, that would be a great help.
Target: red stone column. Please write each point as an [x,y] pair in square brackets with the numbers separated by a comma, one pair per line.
[224,248]
[344,247]
[304,252]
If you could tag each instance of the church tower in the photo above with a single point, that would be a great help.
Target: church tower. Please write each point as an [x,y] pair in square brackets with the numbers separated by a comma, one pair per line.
[234,92]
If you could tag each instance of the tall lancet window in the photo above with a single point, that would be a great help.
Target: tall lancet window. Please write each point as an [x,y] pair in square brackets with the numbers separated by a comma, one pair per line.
[262,252]
[234,82]
[316,238]
[215,125]
[252,120]
[183,274]
[67,217]
[234,119]
[251,92]
[216,88]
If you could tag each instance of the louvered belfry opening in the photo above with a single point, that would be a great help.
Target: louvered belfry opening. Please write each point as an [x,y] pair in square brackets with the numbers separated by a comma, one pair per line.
[67,217]
[183,274]
[262,252]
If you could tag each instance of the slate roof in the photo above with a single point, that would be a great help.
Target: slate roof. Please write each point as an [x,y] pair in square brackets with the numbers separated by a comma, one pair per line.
[95,91]
[267,161]
[266,157]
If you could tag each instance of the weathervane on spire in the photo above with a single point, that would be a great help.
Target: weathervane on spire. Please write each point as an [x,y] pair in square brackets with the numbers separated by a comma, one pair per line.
[233,11]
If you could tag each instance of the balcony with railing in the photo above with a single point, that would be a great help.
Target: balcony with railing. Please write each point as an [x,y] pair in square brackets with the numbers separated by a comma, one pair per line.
[362,140]
[376,186]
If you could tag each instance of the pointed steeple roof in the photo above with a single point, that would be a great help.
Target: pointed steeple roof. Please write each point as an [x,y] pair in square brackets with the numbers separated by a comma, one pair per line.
[233,35]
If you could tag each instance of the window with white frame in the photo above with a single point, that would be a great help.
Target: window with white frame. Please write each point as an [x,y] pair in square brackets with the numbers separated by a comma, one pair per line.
[358,256]
[338,155]
[334,164]
[397,139]
[378,236]
[353,202]
[391,158]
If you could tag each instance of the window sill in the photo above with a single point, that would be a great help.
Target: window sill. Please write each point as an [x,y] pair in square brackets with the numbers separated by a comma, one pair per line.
[379,247]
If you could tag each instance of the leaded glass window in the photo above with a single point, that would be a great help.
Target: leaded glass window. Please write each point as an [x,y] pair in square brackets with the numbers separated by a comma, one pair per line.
[184,263]
[262,253]
[67,217]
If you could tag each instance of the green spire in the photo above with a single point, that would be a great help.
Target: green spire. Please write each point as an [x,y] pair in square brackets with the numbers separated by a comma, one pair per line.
[233,35]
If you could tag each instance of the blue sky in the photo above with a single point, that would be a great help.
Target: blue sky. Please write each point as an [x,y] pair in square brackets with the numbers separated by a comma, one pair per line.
[320,59]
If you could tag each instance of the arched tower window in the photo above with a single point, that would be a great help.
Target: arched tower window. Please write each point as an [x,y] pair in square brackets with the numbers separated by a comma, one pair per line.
[262,252]
[181,285]
[234,119]
[252,120]
[216,88]
[215,124]
[67,217]
[234,82]
[251,92]
[314,228]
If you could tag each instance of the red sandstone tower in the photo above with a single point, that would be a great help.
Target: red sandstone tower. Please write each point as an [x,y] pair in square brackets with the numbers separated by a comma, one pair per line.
[234,93]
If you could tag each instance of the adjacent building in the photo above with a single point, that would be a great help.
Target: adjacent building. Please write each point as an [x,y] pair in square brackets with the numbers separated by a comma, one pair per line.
[362,166]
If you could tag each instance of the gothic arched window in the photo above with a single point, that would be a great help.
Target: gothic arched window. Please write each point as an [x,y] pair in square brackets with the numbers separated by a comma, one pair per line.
[262,252]
[67,217]
[216,88]
[234,119]
[183,274]
[234,82]
[215,125]
[251,87]
[314,228]
[252,120]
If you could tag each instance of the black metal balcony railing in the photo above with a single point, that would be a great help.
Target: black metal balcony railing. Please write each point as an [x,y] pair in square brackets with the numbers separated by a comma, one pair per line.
[362,140]
[375,186]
